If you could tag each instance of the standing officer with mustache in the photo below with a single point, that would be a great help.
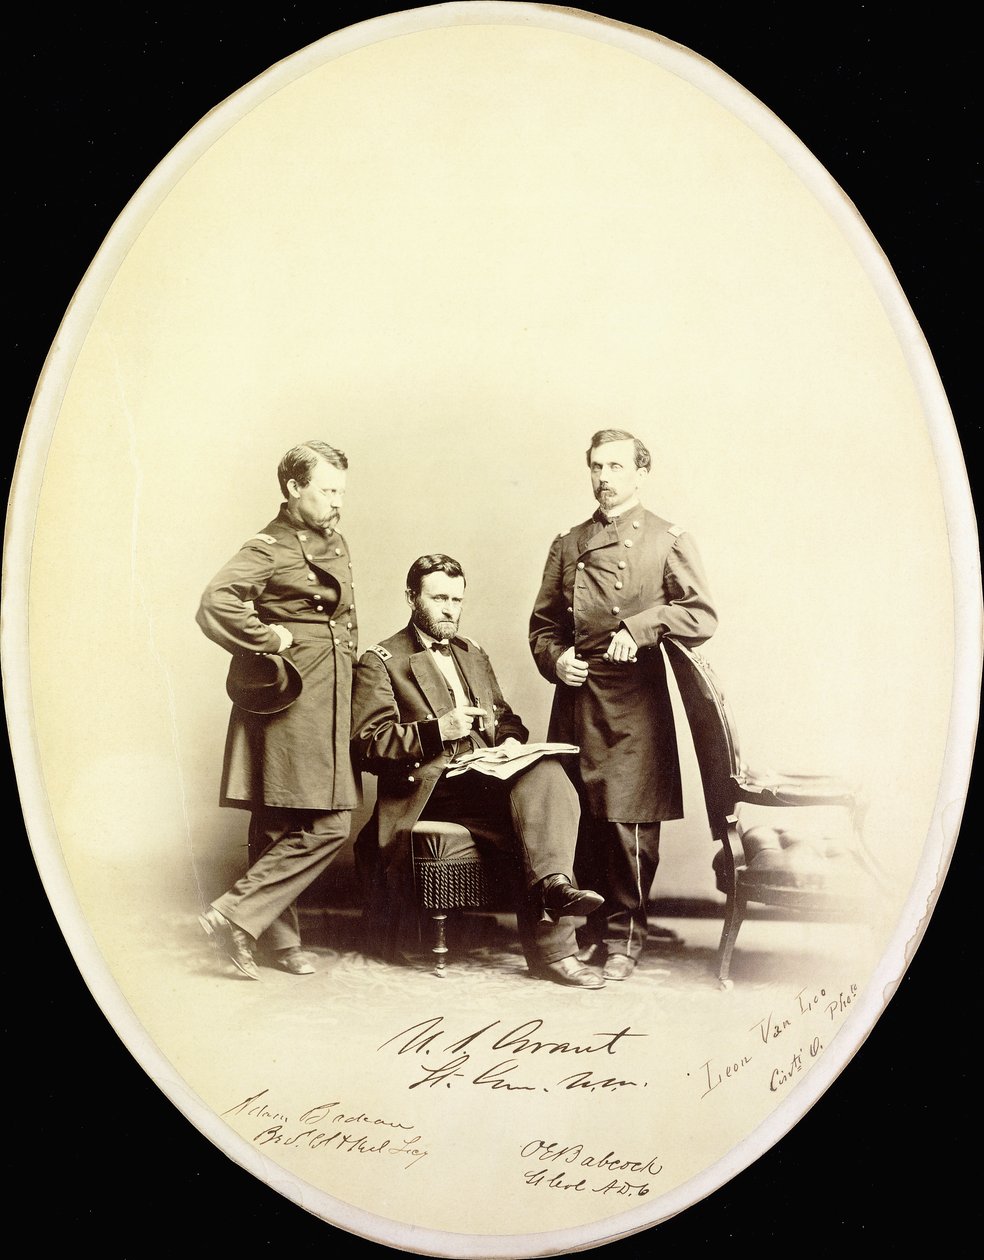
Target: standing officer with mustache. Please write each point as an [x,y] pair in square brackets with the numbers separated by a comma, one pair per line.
[612,587]
[284,607]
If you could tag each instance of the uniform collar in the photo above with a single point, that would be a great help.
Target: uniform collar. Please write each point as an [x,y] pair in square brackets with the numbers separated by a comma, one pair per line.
[623,518]
[425,639]
[595,532]
[284,518]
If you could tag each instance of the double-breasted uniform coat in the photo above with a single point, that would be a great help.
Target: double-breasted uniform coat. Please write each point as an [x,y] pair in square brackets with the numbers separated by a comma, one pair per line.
[399,697]
[639,572]
[292,768]
[302,579]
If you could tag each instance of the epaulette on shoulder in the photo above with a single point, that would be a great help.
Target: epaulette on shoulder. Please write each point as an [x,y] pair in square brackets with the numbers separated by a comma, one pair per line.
[675,530]
[267,538]
[381,652]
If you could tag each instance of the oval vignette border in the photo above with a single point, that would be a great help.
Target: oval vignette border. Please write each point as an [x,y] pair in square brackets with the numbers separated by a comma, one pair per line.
[245,1189]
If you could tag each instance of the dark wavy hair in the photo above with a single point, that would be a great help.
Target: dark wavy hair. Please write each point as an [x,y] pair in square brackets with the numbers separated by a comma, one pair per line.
[431,564]
[300,462]
[642,457]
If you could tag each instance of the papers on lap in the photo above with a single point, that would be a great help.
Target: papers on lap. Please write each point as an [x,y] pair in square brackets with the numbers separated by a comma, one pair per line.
[503,763]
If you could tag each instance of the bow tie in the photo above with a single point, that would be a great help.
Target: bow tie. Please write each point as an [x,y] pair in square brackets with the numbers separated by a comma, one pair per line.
[602,519]
[443,648]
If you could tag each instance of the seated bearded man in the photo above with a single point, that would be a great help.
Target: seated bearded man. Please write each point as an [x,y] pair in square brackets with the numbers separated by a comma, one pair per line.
[425,697]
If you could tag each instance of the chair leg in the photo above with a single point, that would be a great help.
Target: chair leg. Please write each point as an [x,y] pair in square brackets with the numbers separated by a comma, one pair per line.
[439,919]
[733,915]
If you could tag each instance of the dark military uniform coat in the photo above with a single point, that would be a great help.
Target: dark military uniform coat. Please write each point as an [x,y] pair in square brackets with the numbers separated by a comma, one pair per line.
[644,574]
[399,696]
[301,579]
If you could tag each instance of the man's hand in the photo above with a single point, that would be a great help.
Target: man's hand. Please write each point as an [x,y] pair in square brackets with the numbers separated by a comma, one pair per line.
[570,670]
[285,637]
[622,647]
[508,748]
[458,722]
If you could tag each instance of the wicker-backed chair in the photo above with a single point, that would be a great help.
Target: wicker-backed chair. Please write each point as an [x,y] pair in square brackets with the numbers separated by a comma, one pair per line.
[808,861]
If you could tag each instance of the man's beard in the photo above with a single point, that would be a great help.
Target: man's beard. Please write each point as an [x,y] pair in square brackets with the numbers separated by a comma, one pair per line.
[604,497]
[437,628]
[325,526]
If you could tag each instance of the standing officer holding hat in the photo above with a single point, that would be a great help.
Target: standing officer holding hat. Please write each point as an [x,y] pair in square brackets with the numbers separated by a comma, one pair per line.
[612,587]
[284,607]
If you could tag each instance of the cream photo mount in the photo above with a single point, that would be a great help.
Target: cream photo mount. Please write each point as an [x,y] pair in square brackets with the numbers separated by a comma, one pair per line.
[925,885]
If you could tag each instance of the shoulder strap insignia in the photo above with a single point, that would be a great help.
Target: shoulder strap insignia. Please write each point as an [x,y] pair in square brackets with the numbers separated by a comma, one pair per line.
[381,652]
[267,538]
[676,530]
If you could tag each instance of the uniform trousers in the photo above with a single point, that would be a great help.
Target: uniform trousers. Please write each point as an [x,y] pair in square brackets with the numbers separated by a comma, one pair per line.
[288,850]
[619,860]
[532,816]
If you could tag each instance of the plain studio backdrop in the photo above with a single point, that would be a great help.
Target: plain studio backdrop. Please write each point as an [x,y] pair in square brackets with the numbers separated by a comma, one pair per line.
[455,254]
[456,269]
